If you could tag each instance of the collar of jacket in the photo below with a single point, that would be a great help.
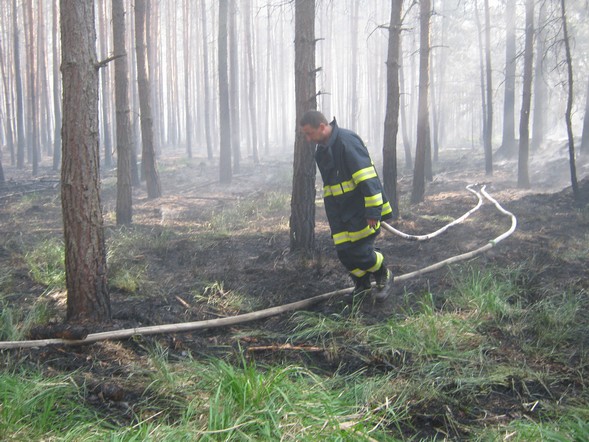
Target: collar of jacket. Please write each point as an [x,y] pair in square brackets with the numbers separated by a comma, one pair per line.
[333,136]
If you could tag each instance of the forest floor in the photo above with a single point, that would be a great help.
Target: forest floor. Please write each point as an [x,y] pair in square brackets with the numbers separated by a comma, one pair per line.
[205,250]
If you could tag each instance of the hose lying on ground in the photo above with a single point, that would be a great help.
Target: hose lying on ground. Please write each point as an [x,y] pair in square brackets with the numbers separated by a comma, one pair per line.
[443,229]
[260,314]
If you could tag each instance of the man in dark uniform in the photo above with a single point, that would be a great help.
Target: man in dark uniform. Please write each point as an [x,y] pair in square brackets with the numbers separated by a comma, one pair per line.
[355,202]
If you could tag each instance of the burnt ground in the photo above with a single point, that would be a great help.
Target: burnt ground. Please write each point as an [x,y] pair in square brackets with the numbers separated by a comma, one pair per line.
[218,239]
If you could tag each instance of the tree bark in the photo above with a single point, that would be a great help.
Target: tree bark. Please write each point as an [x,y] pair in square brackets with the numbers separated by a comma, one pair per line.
[391,123]
[33,127]
[56,91]
[508,143]
[584,149]
[482,73]
[105,90]
[569,108]
[489,132]
[148,151]
[85,254]
[403,112]
[302,216]
[251,92]
[234,87]
[423,134]
[539,94]
[9,111]
[188,100]
[225,169]
[523,177]
[207,88]
[124,210]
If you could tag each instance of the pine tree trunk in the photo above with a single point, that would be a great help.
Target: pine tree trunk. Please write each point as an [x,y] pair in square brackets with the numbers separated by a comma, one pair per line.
[188,100]
[20,125]
[302,216]
[569,108]
[124,210]
[251,92]
[85,253]
[508,143]
[489,132]
[481,73]
[148,151]
[56,92]
[539,95]
[234,88]
[523,177]
[391,123]
[584,149]
[33,132]
[105,90]
[421,151]
[225,170]
[207,87]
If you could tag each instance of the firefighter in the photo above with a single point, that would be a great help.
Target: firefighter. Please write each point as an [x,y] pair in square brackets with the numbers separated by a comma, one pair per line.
[355,202]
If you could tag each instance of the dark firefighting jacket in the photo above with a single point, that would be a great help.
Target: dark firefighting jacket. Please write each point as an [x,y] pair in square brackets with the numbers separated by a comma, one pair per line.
[352,191]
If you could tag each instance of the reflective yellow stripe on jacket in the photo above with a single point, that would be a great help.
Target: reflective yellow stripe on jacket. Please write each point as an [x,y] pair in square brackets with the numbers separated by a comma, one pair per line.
[364,174]
[338,189]
[342,237]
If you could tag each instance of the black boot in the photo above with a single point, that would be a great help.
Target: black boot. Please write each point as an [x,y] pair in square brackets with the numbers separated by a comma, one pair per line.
[383,278]
[362,284]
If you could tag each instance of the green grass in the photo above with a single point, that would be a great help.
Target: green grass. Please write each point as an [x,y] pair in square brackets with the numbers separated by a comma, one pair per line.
[15,323]
[483,359]
[46,263]
[36,408]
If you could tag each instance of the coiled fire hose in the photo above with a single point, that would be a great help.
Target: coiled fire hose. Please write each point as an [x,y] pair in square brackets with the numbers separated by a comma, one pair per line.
[298,305]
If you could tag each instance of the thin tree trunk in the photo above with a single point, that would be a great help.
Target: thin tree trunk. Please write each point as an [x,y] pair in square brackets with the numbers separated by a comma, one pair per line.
[489,131]
[482,73]
[8,102]
[44,107]
[268,87]
[523,177]
[539,95]
[302,216]
[56,91]
[32,89]
[403,111]
[391,123]
[148,151]
[188,101]
[207,87]
[568,118]
[251,92]
[234,88]
[508,143]
[225,171]
[585,137]
[124,210]
[20,125]
[105,89]
[85,252]
[353,67]
[421,151]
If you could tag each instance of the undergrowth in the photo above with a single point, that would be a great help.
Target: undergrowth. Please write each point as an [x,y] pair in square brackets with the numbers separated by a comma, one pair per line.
[443,358]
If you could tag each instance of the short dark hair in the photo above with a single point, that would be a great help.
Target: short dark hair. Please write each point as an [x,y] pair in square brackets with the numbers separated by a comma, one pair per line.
[313,118]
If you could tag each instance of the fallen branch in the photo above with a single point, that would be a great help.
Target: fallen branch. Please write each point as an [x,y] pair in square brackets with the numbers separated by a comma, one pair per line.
[280,347]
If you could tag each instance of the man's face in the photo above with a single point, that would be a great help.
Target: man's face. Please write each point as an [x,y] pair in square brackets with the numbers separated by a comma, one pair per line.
[315,135]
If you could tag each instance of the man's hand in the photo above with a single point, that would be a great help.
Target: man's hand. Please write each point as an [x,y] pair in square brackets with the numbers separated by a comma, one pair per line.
[372,223]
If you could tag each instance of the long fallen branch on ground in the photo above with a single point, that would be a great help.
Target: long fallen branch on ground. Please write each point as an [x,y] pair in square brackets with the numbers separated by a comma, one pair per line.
[260,314]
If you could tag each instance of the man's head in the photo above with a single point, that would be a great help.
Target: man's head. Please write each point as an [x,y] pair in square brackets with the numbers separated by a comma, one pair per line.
[315,127]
